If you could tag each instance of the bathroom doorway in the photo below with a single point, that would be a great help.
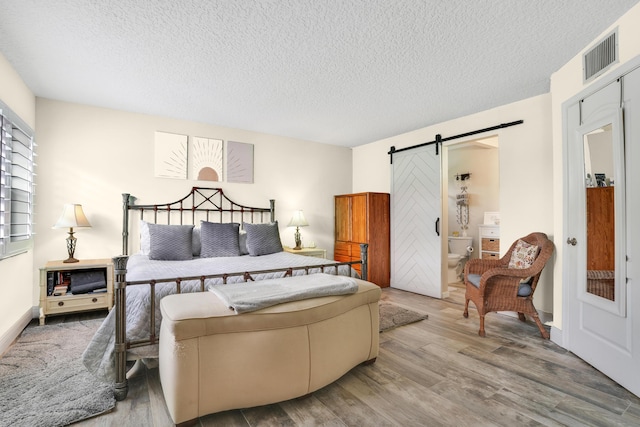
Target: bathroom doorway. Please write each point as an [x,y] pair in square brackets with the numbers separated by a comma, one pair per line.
[472,169]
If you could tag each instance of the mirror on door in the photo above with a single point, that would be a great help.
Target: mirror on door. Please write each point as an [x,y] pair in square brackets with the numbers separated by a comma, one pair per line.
[600,206]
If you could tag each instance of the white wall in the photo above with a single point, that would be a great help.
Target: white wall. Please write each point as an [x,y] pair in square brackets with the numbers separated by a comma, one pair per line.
[16,273]
[600,152]
[91,155]
[565,84]
[525,170]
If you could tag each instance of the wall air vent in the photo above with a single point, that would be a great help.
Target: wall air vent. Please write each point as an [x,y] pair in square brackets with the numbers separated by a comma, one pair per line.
[600,57]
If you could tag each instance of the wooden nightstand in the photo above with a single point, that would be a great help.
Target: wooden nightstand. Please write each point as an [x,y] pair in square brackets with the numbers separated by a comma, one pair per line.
[315,252]
[56,273]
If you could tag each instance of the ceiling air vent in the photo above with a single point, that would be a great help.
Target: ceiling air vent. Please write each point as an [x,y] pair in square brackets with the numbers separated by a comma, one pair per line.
[600,57]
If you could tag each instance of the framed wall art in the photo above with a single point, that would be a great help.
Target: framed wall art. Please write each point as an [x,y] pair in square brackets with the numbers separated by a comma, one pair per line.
[170,156]
[239,162]
[206,159]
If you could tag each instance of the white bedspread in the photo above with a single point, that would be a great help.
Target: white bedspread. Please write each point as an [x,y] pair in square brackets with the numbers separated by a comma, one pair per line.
[266,293]
[99,357]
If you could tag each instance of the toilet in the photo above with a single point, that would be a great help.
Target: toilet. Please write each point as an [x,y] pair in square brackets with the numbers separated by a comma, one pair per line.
[459,250]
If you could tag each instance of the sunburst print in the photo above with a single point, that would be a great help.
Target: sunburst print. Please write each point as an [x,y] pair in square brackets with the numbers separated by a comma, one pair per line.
[207,159]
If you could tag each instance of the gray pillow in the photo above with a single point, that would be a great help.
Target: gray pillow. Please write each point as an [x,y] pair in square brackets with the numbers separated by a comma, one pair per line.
[170,242]
[145,244]
[263,239]
[219,240]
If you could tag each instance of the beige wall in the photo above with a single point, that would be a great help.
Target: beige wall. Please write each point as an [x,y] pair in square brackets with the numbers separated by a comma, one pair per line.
[565,84]
[483,186]
[525,169]
[92,155]
[16,273]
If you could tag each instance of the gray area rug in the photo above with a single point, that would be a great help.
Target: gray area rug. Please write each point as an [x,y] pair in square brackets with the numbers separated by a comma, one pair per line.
[392,316]
[43,382]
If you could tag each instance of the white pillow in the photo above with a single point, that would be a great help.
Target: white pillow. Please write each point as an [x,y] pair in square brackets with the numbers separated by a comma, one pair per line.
[145,240]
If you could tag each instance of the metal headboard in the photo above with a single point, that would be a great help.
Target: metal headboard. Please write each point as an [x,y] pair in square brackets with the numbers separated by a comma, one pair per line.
[201,203]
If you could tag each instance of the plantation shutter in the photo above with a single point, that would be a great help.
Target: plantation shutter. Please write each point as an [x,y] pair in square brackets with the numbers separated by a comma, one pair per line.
[16,184]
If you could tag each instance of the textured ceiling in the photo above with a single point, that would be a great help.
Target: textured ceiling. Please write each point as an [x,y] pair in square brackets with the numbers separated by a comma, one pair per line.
[343,72]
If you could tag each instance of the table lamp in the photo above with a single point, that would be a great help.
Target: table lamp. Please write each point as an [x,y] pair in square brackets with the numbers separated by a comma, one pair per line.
[72,216]
[298,220]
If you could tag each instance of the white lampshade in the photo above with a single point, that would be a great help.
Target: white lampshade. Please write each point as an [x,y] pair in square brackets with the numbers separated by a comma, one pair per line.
[298,220]
[72,216]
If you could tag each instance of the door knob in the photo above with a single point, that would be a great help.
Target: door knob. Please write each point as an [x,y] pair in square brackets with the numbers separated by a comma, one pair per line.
[572,241]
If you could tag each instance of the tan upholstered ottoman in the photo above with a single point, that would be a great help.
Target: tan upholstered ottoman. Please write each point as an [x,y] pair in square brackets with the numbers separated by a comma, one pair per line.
[212,359]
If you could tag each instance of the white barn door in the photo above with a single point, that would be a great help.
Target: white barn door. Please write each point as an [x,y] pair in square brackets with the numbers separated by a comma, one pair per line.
[416,259]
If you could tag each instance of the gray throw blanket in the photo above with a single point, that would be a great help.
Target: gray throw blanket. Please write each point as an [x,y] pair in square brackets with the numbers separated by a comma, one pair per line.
[252,296]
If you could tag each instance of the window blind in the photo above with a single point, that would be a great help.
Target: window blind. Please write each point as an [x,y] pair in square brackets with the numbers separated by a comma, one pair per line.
[16,184]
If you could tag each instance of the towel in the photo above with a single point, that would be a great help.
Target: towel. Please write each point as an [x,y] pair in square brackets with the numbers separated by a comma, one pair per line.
[246,297]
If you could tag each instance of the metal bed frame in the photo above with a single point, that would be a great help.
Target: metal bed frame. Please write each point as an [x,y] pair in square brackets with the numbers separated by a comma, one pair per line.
[209,204]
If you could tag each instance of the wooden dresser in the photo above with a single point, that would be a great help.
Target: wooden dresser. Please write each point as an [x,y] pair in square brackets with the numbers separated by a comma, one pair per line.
[601,229]
[364,218]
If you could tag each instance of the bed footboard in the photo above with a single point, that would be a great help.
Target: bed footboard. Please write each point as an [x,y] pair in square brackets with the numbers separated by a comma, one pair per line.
[122,344]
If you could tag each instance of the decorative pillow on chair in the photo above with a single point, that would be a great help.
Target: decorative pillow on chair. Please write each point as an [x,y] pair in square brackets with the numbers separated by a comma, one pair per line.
[523,255]
[219,240]
[263,239]
[170,242]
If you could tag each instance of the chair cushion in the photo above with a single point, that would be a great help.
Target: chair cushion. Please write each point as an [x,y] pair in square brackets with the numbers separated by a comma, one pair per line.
[474,279]
[524,289]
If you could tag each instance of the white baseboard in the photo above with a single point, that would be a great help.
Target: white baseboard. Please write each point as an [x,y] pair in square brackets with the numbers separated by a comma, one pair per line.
[557,337]
[9,337]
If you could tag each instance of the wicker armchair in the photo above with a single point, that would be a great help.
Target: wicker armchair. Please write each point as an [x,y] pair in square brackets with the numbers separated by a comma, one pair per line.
[493,286]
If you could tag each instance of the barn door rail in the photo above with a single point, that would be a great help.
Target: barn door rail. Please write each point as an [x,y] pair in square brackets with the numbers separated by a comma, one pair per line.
[439,139]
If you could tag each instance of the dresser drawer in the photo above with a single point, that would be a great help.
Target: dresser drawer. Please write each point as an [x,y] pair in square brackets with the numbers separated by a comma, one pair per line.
[489,231]
[490,244]
[342,249]
[347,249]
[67,304]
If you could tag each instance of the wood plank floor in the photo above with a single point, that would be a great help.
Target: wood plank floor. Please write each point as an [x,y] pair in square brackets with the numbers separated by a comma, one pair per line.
[431,373]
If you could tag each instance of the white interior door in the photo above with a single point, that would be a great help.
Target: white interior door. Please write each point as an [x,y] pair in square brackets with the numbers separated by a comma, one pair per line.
[601,319]
[416,260]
